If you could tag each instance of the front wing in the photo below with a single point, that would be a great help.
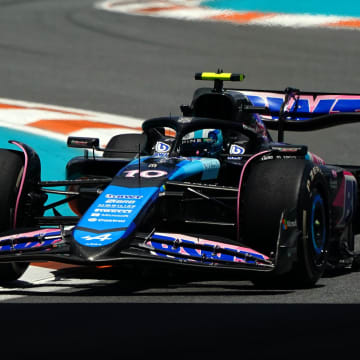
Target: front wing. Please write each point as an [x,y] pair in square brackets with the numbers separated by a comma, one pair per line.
[170,249]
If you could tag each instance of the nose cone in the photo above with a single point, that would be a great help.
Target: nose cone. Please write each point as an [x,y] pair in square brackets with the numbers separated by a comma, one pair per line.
[92,254]
[113,216]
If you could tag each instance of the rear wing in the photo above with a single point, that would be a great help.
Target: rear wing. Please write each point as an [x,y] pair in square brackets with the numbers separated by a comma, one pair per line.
[291,109]
[306,111]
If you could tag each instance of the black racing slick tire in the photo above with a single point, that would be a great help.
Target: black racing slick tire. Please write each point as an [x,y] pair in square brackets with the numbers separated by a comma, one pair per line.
[11,165]
[277,185]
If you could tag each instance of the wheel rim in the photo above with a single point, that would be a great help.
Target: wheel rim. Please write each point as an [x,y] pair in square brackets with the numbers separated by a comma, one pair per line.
[318,225]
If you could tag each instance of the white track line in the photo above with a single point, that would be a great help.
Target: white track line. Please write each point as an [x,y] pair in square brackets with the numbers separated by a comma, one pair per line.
[35,117]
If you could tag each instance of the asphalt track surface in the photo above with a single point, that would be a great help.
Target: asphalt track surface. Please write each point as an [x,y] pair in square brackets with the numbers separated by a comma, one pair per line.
[67,53]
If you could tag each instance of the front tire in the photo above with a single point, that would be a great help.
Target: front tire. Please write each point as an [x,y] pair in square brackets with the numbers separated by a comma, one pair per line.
[277,185]
[12,166]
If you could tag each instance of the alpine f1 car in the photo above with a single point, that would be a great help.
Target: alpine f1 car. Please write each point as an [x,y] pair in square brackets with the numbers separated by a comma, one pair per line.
[208,190]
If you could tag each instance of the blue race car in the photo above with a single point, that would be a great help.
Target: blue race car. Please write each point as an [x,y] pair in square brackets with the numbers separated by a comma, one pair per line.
[208,190]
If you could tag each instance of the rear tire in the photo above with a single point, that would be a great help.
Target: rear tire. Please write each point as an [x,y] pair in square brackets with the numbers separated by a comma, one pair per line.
[272,187]
[11,165]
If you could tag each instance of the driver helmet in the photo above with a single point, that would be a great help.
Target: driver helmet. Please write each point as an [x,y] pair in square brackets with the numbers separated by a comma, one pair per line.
[204,142]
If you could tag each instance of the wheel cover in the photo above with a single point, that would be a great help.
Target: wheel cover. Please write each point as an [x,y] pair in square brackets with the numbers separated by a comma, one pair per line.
[318,226]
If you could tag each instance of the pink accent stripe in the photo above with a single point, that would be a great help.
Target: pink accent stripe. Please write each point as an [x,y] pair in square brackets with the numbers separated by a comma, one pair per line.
[240,184]
[232,247]
[31,234]
[203,241]
[22,180]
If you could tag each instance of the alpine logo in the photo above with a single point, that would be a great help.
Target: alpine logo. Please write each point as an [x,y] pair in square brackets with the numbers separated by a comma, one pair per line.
[102,237]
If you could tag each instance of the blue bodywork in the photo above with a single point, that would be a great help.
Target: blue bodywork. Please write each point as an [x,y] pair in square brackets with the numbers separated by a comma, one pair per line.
[115,213]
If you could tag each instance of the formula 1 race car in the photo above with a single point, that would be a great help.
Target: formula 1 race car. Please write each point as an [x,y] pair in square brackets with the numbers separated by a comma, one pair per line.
[208,191]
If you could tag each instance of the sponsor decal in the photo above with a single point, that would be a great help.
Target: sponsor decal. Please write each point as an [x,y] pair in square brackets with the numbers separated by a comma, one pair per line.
[286,149]
[236,150]
[184,120]
[184,245]
[326,103]
[267,157]
[113,211]
[102,237]
[113,201]
[112,220]
[288,224]
[210,164]
[113,196]
[159,155]
[114,215]
[116,206]
[162,147]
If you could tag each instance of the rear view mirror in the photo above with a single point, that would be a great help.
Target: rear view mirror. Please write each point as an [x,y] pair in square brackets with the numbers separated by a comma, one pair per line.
[83,142]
